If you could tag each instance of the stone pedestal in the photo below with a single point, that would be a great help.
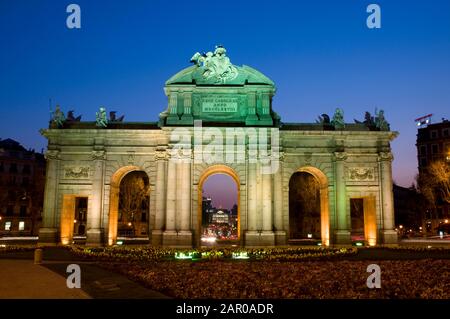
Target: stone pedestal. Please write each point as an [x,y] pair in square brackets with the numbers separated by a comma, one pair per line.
[169,238]
[156,238]
[177,239]
[342,237]
[280,237]
[94,237]
[390,237]
[255,238]
[48,236]
[251,238]
[267,238]
[184,239]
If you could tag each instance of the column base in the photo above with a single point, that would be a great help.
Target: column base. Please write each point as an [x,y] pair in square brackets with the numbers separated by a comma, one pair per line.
[280,238]
[390,237]
[255,238]
[186,119]
[342,237]
[267,238]
[48,236]
[157,237]
[251,119]
[184,238]
[94,237]
[172,238]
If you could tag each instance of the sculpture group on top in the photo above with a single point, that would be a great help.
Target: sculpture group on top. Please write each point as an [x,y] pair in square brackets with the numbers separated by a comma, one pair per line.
[59,119]
[216,66]
[377,122]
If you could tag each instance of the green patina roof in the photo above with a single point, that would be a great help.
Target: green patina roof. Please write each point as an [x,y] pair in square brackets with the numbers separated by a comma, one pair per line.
[216,69]
[246,75]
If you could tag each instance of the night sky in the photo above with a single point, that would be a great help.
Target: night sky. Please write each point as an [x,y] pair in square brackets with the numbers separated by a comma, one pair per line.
[222,189]
[320,54]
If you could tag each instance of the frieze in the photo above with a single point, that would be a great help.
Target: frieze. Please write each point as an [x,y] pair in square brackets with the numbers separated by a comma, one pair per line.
[360,174]
[98,155]
[76,172]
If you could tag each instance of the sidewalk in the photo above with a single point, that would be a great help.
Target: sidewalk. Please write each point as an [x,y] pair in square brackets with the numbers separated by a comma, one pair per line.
[22,279]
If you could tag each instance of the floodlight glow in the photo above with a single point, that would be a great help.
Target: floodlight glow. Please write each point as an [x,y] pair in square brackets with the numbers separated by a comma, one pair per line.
[240,255]
[309,235]
[209,239]
[359,244]
[181,255]
[120,242]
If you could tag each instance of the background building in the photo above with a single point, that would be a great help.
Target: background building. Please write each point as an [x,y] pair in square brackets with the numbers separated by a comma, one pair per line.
[433,145]
[22,182]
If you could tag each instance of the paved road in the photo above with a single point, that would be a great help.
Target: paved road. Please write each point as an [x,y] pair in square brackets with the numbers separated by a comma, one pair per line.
[23,279]
[20,278]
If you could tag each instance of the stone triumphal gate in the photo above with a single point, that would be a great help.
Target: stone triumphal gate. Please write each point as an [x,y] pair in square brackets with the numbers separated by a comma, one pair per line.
[220,119]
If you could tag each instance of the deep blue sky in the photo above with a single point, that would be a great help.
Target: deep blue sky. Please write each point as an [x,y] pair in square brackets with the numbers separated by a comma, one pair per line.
[320,54]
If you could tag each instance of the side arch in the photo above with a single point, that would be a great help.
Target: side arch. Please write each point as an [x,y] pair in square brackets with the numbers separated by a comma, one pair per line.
[324,200]
[116,178]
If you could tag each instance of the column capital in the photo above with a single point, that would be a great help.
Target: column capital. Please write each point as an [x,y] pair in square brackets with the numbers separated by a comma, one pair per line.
[340,156]
[161,155]
[98,155]
[52,155]
[385,156]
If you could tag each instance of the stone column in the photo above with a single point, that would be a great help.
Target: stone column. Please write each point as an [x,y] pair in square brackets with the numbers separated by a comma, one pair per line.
[172,117]
[170,233]
[280,234]
[342,232]
[184,200]
[94,233]
[251,118]
[267,234]
[49,229]
[187,118]
[385,168]
[160,200]
[251,235]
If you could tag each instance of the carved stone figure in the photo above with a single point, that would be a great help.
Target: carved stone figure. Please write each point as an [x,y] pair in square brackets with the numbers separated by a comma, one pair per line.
[58,117]
[323,119]
[216,66]
[101,120]
[113,118]
[380,121]
[338,119]
[368,120]
[72,118]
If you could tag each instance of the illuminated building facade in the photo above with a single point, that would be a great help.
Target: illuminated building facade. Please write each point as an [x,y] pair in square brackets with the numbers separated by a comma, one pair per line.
[22,181]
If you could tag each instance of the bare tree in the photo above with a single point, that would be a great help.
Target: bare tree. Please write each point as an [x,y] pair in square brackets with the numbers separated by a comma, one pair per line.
[434,183]
[134,191]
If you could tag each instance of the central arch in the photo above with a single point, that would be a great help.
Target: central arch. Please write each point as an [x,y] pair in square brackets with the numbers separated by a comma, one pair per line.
[322,181]
[217,169]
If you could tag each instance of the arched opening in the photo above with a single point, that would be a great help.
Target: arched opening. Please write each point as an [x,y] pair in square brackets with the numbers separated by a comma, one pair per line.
[133,206]
[126,215]
[308,207]
[219,207]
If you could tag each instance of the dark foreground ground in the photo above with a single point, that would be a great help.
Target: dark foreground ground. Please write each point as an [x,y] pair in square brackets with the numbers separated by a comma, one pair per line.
[404,274]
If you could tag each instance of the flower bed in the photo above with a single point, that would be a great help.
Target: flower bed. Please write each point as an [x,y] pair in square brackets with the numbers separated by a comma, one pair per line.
[164,254]
[274,279]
